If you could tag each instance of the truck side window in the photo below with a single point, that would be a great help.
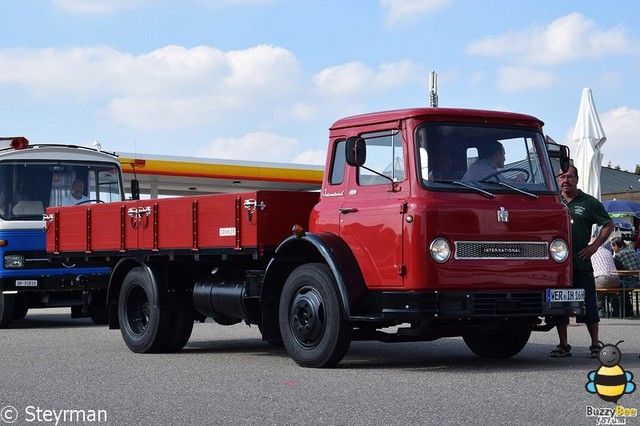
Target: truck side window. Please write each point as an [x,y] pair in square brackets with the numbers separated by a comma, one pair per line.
[385,154]
[338,163]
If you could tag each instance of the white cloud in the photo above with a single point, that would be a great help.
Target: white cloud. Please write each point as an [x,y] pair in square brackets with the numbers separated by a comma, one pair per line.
[170,87]
[256,146]
[311,157]
[100,7]
[96,7]
[72,72]
[566,39]
[622,127]
[356,78]
[513,79]
[403,11]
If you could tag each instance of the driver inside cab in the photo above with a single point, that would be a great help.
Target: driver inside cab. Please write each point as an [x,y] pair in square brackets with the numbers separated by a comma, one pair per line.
[491,158]
[76,194]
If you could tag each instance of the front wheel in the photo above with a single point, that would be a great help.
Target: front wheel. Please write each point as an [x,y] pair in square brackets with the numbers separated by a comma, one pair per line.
[312,320]
[497,343]
[7,304]
[20,308]
[143,324]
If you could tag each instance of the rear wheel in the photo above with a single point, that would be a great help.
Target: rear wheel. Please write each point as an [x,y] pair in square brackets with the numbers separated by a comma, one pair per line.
[7,304]
[98,309]
[498,343]
[143,324]
[179,330]
[312,320]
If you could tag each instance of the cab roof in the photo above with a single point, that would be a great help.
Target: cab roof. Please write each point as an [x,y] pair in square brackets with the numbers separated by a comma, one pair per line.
[440,115]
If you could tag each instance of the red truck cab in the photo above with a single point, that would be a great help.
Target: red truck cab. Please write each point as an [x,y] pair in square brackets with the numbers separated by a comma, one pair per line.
[436,246]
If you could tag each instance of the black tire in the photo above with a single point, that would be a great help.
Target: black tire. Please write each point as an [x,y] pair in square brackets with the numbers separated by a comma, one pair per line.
[179,330]
[7,304]
[144,326]
[497,343]
[98,309]
[276,343]
[20,308]
[99,314]
[312,320]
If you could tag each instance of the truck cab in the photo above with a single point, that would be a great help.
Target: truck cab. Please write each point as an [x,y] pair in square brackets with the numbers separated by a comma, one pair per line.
[435,243]
[32,179]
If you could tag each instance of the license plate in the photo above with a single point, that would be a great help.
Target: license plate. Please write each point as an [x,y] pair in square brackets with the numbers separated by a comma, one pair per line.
[26,283]
[565,295]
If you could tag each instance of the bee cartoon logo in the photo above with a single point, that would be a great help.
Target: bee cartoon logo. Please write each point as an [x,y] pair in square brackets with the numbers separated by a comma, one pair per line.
[610,381]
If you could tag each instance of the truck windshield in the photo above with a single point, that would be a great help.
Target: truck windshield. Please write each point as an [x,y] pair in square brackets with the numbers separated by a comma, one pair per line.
[483,157]
[27,188]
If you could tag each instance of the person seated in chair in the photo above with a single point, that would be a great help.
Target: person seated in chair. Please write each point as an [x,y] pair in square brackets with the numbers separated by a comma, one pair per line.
[626,260]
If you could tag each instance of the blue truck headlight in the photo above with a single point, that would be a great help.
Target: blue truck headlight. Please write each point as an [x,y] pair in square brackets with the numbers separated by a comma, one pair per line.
[13,261]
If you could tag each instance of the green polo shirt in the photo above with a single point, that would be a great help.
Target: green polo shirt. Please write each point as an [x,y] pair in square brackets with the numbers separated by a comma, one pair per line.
[585,211]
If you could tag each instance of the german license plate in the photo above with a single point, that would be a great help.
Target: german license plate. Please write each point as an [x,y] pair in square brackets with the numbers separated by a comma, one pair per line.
[26,283]
[565,295]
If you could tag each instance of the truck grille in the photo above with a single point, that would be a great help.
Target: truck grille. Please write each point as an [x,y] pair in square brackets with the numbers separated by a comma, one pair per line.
[501,250]
[507,303]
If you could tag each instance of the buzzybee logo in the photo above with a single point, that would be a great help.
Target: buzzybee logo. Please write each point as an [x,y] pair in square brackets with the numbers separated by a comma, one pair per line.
[610,382]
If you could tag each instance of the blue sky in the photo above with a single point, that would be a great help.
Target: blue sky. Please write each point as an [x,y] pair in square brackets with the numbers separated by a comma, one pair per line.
[262,80]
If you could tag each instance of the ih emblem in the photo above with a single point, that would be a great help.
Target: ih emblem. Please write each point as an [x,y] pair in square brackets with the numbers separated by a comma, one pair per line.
[503,215]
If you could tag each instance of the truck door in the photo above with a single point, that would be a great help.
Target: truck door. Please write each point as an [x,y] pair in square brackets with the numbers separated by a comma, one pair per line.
[372,215]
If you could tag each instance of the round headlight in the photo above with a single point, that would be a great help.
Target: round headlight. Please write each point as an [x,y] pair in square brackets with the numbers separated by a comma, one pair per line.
[440,250]
[559,251]
[13,261]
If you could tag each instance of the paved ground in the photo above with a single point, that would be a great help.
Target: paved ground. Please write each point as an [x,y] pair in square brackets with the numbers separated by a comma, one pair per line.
[227,376]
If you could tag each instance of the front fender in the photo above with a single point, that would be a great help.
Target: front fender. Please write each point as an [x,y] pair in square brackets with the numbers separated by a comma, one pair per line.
[316,247]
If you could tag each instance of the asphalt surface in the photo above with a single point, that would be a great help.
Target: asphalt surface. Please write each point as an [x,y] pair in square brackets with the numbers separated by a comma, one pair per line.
[54,369]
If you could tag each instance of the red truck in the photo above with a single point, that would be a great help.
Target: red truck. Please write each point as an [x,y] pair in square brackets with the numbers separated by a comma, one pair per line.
[400,244]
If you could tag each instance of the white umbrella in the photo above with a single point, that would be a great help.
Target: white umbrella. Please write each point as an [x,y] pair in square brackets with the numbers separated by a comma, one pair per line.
[590,137]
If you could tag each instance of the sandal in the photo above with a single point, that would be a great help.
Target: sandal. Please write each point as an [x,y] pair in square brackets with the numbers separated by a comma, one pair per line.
[562,351]
[595,350]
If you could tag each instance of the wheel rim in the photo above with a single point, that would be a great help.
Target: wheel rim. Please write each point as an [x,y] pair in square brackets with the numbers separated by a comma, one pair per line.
[137,310]
[306,317]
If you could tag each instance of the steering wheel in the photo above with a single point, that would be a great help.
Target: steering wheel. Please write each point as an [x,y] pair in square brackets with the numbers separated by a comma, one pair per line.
[90,201]
[514,169]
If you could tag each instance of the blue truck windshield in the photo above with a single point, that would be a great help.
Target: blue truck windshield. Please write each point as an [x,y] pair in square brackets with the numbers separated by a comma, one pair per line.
[27,188]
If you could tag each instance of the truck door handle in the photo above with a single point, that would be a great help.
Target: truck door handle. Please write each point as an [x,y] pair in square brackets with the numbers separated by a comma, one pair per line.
[346,210]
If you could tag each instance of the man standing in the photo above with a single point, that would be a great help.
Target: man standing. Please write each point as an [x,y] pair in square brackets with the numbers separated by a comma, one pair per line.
[585,211]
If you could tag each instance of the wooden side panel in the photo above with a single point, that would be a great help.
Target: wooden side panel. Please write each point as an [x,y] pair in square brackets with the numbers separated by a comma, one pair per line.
[222,221]
[250,219]
[108,223]
[71,232]
[282,210]
[170,224]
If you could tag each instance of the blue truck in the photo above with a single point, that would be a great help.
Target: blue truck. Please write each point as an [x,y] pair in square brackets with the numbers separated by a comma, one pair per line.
[32,178]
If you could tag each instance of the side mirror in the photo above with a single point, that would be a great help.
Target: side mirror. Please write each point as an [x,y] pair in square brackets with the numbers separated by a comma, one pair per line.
[561,152]
[355,151]
[565,161]
[135,189]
